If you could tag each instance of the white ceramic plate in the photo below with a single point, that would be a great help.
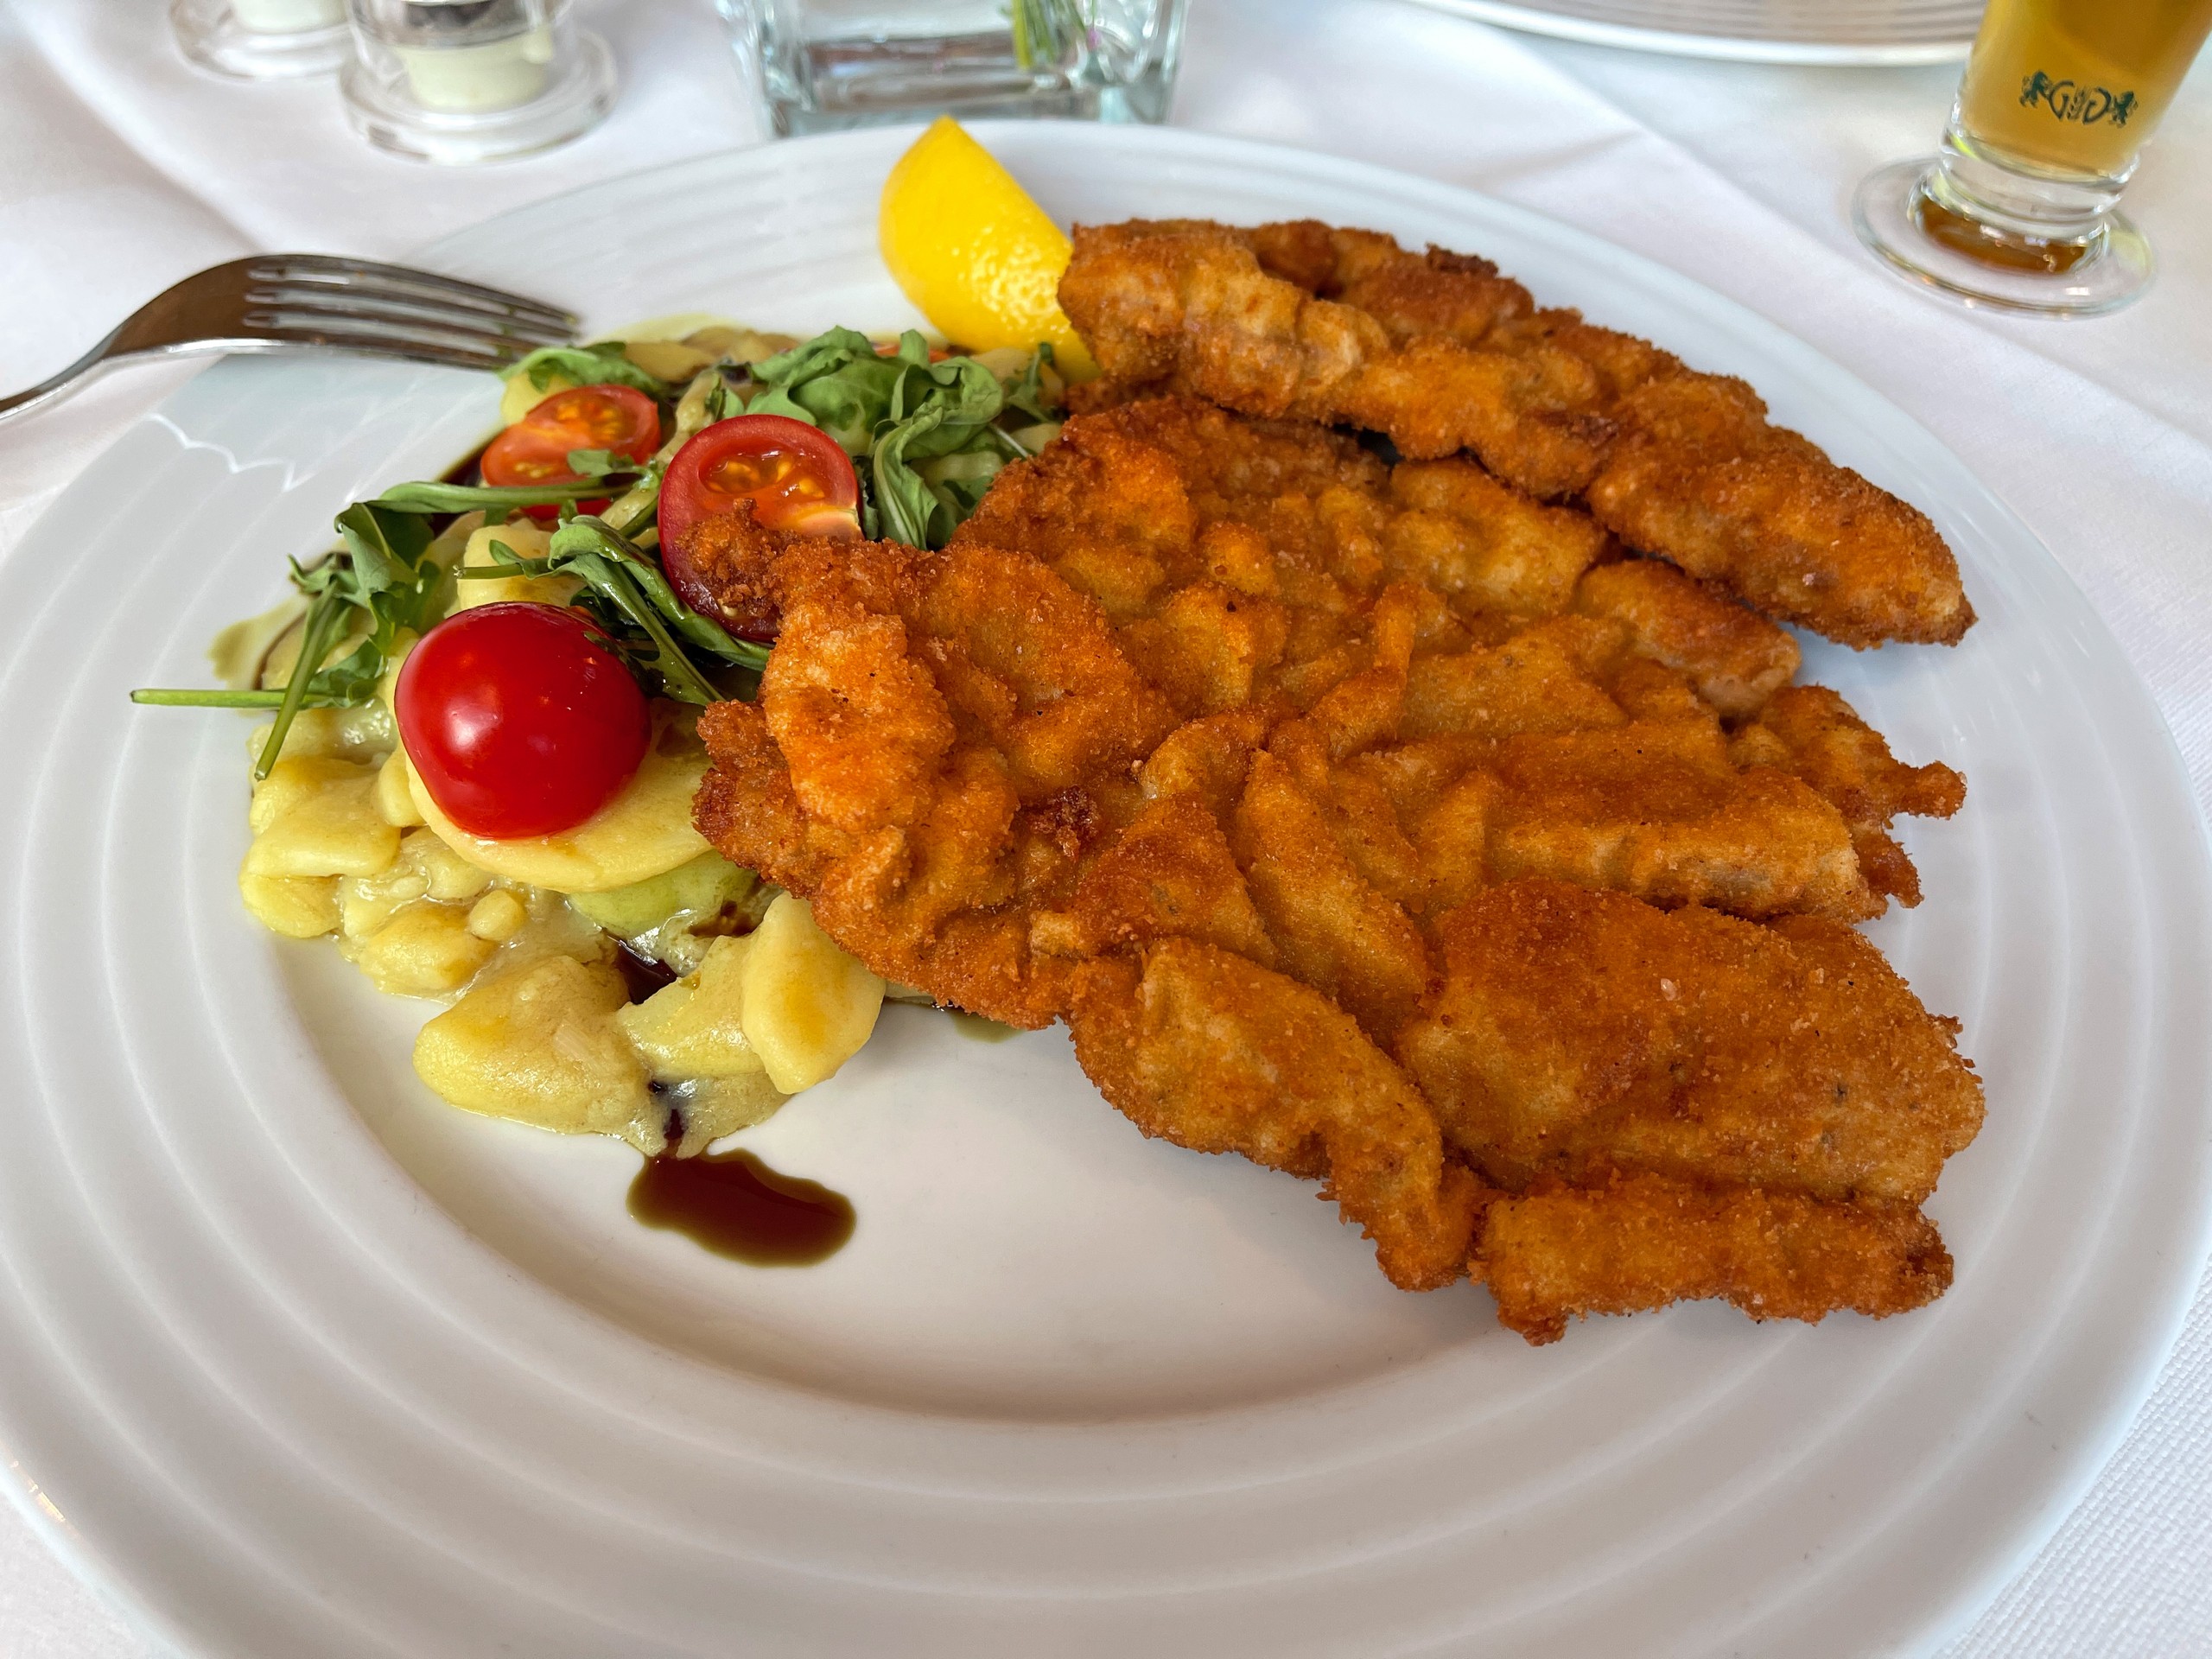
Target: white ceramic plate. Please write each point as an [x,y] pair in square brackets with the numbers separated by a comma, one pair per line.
[309,1363]
[1750,31]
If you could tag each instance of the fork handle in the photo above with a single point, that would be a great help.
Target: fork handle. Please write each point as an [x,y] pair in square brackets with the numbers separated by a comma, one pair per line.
[104,356]
[54,385]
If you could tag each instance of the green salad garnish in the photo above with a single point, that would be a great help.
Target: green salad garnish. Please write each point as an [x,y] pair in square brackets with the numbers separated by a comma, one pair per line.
[927,439]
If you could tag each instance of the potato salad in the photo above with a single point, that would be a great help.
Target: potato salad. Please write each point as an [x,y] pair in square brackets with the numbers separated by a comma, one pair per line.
[476,772]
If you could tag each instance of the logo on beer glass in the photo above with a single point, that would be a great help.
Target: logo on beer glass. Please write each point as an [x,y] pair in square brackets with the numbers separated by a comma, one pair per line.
[2070,101]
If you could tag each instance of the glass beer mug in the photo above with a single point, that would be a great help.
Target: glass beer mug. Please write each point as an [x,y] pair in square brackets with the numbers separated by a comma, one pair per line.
[2020,208]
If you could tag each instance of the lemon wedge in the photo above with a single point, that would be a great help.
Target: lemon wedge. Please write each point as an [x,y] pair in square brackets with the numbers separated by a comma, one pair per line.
[980,259]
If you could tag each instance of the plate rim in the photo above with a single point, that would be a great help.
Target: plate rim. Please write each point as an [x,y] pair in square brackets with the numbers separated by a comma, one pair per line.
[1975,1592]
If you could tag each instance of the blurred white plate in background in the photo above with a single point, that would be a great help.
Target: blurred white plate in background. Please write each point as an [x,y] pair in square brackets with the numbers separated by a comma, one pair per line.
[1755,31]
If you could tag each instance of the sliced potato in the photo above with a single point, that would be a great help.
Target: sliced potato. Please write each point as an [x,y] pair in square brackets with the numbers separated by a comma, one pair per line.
[395,801]
[522,394]
[739,345]
[498,916]
[525,540]
[643,832]
[696,1027]
[541,1046]
[446,874]
[363,733]
[366,902]
[425,950]
[667,360]
[239,651]
[426,867]
[296,780]
[326,824]
[701,887]
[299,907]
[808,1007]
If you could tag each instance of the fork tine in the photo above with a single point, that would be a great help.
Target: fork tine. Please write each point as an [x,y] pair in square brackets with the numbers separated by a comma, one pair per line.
[324,330]
[406,349]
[345,286]
[341,268]
[340,304]
[364,276]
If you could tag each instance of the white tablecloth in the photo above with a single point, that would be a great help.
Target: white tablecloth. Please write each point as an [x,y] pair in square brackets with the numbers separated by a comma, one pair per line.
[121,170]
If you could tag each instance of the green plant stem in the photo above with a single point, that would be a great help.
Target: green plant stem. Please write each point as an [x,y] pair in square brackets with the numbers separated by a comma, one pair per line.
[166,697]
[427,497]
[324,627]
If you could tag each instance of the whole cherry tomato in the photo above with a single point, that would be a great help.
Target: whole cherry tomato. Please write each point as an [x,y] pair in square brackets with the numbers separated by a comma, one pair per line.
[519,720]
[535,449]
[796,476]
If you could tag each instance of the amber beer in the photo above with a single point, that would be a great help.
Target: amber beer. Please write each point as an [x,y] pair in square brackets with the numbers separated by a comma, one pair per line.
[2075,86]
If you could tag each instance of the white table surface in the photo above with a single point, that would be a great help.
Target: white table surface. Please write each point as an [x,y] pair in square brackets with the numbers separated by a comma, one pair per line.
[121,169]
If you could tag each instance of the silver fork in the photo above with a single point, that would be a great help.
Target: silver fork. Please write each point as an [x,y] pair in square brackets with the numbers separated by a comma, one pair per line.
[313,303]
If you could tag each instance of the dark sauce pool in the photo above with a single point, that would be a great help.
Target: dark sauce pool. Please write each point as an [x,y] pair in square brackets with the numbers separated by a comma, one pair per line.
[730,1203]
[466,470]
[736,1205]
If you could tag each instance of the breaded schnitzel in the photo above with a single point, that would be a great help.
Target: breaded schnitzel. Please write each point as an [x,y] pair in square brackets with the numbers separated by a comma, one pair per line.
[1443,354]
[1576,1034]
[1232,747]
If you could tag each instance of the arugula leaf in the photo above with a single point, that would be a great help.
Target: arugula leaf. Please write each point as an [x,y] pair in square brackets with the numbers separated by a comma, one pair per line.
[598,463]
[599,364]
[958,481]
[378,584]
[902,410]
[835,381]
[906,505]
[627,590]
[325,618]
[839,382]
[386,548]
[922,495]
[382,572]
[1026,394]
[964,388]
[429,498]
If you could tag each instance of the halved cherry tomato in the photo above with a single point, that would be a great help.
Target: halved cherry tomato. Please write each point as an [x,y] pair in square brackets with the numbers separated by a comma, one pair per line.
[535,449]
[519,719]
[796,476]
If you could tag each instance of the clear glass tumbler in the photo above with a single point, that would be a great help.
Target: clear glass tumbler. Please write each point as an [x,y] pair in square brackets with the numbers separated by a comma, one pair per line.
[822,65]
[473,81]
[2019,210]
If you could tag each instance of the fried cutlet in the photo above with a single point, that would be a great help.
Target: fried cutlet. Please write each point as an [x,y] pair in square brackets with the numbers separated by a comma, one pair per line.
[1217,737]
[1642,1243]
[1240,566]
[1443,355]
[1576,1034]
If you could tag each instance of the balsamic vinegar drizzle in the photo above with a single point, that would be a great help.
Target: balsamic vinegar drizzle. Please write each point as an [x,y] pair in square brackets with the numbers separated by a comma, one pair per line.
[464,470]
[736,1205]
[730,1203]
[641,975]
